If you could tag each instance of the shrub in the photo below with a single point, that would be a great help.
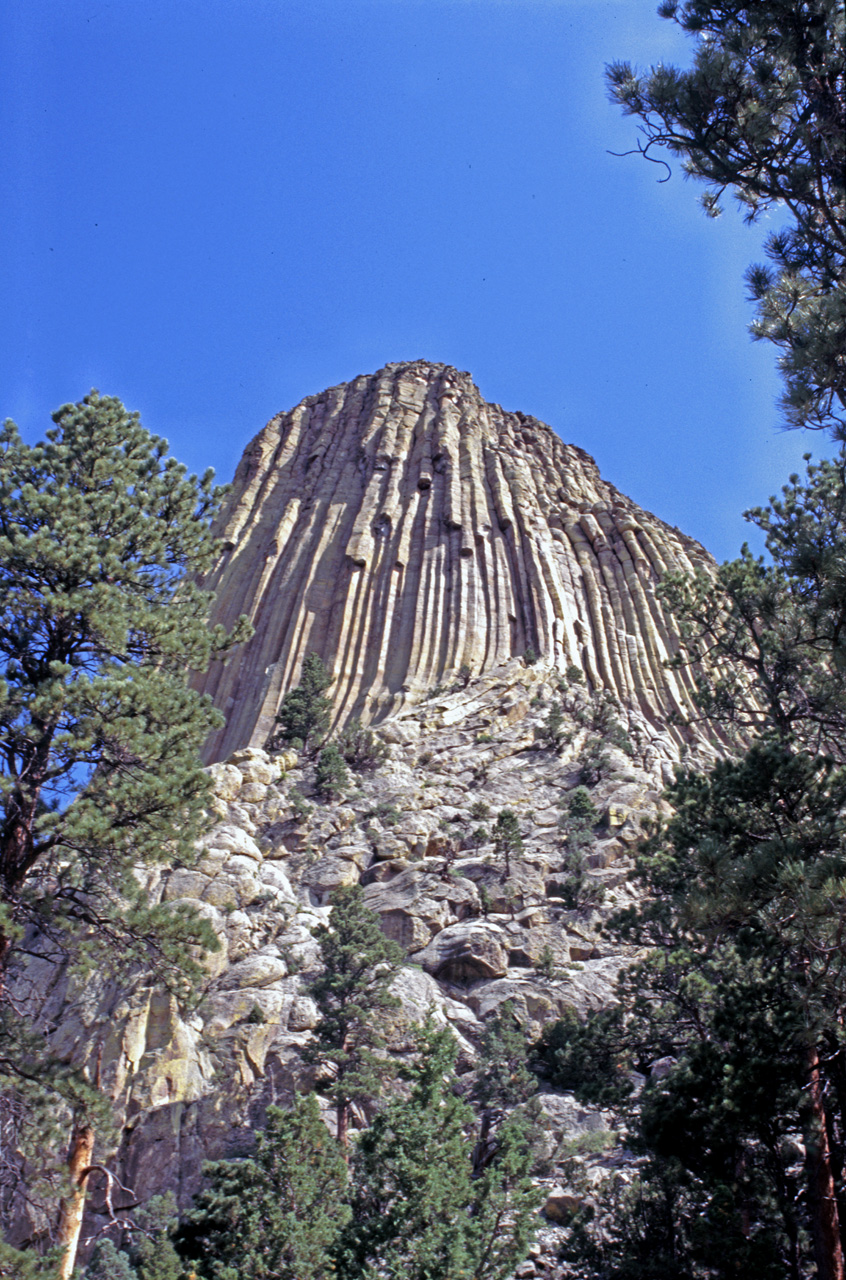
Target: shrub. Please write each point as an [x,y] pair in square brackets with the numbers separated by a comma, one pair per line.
[331,777]
[297,801]
[362,748]
[554,729]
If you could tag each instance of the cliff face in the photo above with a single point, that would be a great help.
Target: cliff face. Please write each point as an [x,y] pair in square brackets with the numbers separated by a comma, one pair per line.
[401,527]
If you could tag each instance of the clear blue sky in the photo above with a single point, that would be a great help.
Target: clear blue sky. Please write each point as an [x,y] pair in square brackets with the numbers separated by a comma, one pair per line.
[213,208]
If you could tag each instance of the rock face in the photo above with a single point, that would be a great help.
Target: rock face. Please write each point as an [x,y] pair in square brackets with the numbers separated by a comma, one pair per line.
[403,528]
[420,540]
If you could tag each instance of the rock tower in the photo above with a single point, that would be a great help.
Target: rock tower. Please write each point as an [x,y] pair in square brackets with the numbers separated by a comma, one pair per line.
[421,541]
[403,528]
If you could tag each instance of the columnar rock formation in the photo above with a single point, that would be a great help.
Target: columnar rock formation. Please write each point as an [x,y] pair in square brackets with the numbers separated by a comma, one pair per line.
[402,528]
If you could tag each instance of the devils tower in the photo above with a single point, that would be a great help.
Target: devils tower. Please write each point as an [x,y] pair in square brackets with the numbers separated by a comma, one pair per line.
[403,528]
[468,579]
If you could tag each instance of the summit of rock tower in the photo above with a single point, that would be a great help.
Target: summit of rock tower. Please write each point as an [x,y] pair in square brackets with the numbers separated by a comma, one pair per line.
[403,528]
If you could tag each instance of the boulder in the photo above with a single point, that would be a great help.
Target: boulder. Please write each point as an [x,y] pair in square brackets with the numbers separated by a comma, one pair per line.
[417,904]
[467,952]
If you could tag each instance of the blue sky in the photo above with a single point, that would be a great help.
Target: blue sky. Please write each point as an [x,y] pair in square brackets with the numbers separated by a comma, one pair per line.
[214,208]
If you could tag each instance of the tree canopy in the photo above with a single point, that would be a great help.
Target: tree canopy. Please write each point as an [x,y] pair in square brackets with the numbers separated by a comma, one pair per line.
[762,113]
[102,539]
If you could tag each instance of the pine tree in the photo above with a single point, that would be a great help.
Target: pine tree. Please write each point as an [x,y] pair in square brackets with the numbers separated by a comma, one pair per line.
[554,728]
[110,1263]
[99,731]
[417,1211]
[354,999]
[331,776]
[507,839]
[762,113]
[503,1079]
[361,748]
[276,1215]
[153,1251]
[305,711]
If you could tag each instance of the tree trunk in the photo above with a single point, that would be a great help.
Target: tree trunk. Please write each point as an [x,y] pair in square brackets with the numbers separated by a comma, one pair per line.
[342,1111]
[73,1206]
[822,1194]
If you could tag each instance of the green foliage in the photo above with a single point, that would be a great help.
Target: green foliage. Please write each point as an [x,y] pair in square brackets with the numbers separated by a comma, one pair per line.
[102,537]
[761,113]
[778,622]
[507,838]
[554,729]
[362,748]
[530,657]
[417,1210]
[582,812]
[17,1265]
[593,762]
[109,1263]
[587,1058]
[741,996]
[354,1000]
[480,810]
[386,812]
[302,808]
[576,888]
[503,1079]
[275,1216]
[151,1256]
[574,674]
[100,733]
[305,711]
[331,777]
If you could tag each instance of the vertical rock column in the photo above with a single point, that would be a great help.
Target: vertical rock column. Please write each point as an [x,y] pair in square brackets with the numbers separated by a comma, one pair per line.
[401,527]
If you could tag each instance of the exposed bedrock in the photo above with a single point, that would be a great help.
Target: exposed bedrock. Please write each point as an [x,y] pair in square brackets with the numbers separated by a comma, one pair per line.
[402,528]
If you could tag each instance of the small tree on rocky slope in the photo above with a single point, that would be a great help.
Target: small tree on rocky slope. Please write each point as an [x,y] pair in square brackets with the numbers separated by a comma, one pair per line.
[304,712]
[354,1000]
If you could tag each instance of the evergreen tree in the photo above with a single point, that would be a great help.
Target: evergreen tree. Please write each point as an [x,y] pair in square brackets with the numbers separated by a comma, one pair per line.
[779,623]
[361,748]
[503,1079]
[762,113]
[153,1251]
[354,999]
[554,729]
[331,777]
[276,1215]
[110,1263]
[742,997]
[507,840]
[99,731]
[305,711]
[417,1211]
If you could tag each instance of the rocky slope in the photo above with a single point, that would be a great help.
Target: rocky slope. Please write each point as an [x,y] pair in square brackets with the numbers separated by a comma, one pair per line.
[404,530]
